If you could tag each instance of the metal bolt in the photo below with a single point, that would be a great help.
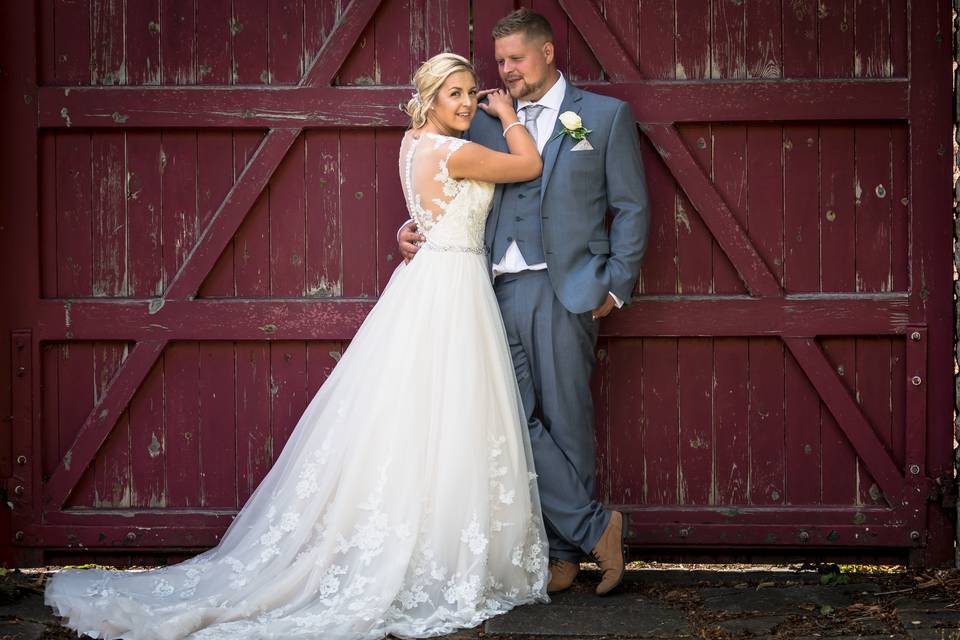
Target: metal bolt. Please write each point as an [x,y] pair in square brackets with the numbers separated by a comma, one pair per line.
[684,532]
[18,490]
[915,336]
[804,536]
[21,460]
[18,535]
[21,371]
[915,469]
[916,380]
[914,535]
[131,536]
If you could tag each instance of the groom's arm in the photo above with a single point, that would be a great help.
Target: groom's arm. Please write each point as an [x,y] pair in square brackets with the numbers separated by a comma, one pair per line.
[628,201]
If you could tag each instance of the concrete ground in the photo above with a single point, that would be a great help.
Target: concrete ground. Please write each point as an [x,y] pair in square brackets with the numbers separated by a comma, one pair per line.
[655,602]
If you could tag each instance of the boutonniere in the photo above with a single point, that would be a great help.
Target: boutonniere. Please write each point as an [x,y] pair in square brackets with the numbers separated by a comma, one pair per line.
[572,126]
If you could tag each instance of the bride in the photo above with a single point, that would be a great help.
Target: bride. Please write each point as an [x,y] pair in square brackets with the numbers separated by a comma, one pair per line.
[378,518]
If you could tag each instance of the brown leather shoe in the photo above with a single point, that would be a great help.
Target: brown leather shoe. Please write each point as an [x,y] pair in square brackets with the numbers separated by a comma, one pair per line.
[562,573]
[609,554]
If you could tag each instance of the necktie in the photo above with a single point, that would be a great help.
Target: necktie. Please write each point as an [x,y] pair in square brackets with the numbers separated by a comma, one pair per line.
[532,112]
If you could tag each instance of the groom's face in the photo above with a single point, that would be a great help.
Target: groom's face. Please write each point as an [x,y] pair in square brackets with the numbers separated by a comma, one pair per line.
[524,65]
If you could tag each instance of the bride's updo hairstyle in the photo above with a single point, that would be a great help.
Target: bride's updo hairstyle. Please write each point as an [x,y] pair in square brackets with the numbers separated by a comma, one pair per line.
[427,81]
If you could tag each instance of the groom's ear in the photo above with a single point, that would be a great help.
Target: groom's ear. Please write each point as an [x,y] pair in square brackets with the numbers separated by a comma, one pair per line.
[549,51]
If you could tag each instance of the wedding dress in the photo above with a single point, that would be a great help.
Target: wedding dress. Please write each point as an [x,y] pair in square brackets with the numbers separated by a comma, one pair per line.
[404,501]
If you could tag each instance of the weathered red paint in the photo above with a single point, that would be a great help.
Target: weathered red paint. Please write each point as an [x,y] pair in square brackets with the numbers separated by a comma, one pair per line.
[217,200]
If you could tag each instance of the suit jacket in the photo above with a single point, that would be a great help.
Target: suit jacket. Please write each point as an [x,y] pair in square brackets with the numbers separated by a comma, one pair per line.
[584,260]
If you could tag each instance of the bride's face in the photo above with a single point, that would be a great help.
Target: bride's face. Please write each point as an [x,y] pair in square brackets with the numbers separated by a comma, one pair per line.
[456,102]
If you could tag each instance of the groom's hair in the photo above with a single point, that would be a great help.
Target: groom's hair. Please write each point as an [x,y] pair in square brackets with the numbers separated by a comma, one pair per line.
[530,23]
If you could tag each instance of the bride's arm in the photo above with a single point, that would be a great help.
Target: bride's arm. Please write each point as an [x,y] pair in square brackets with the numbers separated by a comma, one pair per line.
[480,163]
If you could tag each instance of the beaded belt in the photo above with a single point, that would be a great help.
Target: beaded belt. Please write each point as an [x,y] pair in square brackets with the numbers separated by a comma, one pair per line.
[447,247]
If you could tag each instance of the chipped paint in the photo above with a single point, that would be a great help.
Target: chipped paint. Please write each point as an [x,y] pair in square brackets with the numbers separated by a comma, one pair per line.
[154,449]
[68,459]
[65,114]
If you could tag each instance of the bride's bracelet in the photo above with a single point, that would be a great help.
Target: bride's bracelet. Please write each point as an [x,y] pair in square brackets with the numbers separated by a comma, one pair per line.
[510,126]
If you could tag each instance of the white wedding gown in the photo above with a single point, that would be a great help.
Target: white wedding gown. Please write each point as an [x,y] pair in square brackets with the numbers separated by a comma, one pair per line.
[404,501]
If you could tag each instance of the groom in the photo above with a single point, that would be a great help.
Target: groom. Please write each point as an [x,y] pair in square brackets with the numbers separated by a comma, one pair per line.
[557,271]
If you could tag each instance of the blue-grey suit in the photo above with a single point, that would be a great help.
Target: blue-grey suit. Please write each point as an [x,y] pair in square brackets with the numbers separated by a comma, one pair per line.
[547,314]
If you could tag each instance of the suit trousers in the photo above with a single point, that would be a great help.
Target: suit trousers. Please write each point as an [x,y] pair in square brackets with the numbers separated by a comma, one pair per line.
[553,358]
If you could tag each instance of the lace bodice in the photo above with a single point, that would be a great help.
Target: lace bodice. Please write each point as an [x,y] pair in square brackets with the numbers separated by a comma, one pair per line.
[450,212]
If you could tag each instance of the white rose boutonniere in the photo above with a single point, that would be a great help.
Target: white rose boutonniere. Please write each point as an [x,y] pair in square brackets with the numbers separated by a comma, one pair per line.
[572,126]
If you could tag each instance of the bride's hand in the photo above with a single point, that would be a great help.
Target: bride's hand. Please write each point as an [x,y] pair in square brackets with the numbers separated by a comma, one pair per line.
[498,104]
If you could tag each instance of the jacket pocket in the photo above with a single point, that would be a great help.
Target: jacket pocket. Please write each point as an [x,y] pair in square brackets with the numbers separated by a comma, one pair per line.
[599,247]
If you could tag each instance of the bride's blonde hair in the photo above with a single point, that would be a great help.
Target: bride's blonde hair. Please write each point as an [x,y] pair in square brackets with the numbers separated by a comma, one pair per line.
[428,79]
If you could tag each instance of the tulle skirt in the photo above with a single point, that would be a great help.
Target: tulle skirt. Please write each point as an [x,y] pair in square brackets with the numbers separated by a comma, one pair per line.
[404,501]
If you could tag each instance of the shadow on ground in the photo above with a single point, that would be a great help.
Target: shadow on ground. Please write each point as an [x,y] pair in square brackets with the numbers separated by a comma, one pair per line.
[784,603]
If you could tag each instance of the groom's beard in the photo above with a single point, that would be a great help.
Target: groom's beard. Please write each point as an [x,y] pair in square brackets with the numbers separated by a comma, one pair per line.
[525,88]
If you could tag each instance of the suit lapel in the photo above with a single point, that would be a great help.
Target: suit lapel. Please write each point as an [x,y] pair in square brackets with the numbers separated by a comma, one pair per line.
[571,102]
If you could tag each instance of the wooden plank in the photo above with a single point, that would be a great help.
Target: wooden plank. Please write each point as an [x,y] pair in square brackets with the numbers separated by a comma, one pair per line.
[899,194]
[214,45]
[143,195]
[802,447]
[323,244]
[148,454]
[801,208]
[74,216]
[251,242]
[600,392]
[836,33]
[142,58]
[73,54]
[288,398]
[288,225]
[729,173]
[697,445]
[872,40]
[215,177]
[731,368]
[368,106]
[873,208]
[181,363]
[319,19]
[75,406]
[395,54]
[253,405]
[109,260]
[624,21]
[358,189]
[692,39]
[180,227]
[178,42]
[873,394]
[627,480]
[108,42]
[800,39]
[672,316]
[764,54]
[765,422]
[838,455]
[729,44]
[661,437]
[359,68]
[899,44]
[216,429]
[658,272]
[579,62]
[285,41]
[96,426]
[764,211]
[848,415]
[251,62]
[47,192]
[112,474]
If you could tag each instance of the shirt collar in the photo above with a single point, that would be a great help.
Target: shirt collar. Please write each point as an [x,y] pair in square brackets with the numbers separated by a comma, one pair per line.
[552,99]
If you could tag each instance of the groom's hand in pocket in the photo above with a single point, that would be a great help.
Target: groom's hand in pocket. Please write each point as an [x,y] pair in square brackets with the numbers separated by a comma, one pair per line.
[604,309]
[407,239]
